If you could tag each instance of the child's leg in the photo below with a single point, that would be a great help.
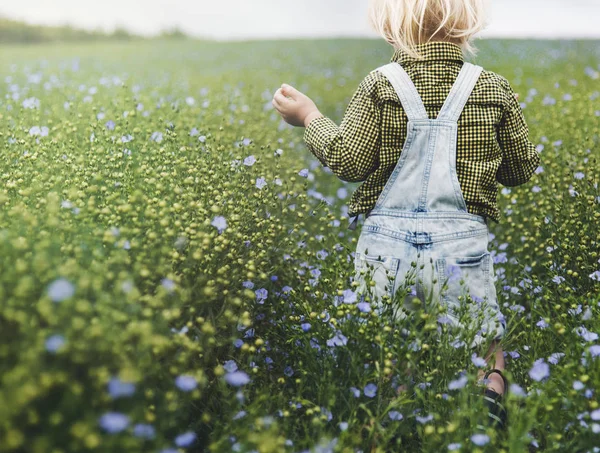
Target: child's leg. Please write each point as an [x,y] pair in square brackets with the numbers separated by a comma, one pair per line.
[496,383]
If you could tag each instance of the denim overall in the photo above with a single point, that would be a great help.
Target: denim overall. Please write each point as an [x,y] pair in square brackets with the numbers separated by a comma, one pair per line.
[421,217]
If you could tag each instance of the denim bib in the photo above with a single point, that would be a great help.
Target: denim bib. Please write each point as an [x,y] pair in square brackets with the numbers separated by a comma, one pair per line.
[421,217]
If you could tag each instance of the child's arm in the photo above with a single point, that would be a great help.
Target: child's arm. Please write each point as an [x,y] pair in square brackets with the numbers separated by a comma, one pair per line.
[519,157]
[351,150]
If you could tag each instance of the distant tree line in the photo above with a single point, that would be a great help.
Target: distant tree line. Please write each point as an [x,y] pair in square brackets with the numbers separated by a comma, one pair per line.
[12,31]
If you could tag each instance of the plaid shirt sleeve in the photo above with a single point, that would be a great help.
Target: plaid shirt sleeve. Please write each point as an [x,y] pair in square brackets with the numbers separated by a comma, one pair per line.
[519,157]
[351,150]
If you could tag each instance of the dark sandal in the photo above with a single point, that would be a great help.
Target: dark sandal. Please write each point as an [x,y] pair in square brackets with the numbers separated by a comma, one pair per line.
[497,414]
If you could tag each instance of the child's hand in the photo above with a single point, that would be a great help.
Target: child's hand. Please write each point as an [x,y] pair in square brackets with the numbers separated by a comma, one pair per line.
[295,107]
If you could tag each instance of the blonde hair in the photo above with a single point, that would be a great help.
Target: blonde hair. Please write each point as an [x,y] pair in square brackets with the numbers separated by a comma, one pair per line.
[408,23]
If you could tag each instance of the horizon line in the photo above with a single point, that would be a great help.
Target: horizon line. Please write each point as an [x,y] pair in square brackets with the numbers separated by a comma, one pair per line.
[485,34]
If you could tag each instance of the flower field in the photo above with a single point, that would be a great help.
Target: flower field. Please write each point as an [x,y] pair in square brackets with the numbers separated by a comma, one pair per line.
[176,272]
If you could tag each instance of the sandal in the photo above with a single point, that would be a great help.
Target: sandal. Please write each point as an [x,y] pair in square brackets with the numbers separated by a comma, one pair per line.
[497,414]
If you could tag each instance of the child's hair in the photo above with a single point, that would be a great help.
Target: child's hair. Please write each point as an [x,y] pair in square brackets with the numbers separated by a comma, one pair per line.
[406,23]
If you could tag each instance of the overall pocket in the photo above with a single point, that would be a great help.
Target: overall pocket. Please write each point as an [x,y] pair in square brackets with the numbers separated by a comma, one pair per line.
[381,269]
[461,276]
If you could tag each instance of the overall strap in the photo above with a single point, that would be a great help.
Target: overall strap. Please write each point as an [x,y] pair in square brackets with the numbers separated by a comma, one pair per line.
[460,92]
[408,94]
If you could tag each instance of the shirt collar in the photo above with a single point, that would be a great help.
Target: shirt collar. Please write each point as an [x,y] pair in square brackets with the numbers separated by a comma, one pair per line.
[435,50]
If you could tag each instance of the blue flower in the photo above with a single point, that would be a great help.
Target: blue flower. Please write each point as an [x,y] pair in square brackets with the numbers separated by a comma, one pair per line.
[456,344]
[219,223]
[594,350]
[454,446]
[349,296]
[444,319]
[542,324]
[554,358]
[168,284]
[586,334]
[230,366]
[477,361]
[517,390]
[143,431]
[337,340]
[114,422]
[364,307]
[186,383]
[305,326]
[60,290]
[355,392]
[36,130]
[370,390]
[157,137]
[500,258]
[424,420]
[186,439]
[342,193]
[395,415]
[480,439]
[261,295]
[239,415]
[579,175]
[31,103]
[303,172]
[54,343]
[249,161]
[458,383]
[261,182]
[540,370]
[118,388]
[237,378]
[322,254]
[327,413]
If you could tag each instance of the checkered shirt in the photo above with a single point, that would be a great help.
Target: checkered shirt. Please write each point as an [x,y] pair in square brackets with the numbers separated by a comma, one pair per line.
[493,143]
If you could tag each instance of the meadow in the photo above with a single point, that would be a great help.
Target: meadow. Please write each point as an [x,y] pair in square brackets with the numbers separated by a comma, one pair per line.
[176,272]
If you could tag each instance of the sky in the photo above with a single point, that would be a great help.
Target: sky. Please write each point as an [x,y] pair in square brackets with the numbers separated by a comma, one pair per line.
[255,19]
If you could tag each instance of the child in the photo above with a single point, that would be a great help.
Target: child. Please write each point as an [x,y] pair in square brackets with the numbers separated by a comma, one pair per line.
[430,135]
